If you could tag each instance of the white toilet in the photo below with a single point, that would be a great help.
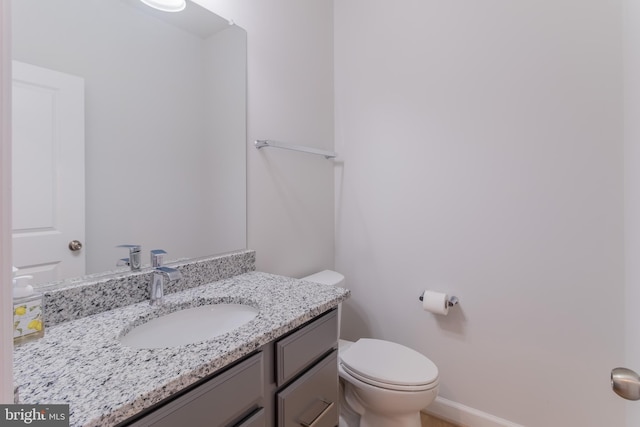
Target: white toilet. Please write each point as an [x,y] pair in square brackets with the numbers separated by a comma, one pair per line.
[382,383]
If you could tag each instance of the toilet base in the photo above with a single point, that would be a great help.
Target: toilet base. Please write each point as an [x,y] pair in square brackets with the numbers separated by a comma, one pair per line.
[344,423]
[348,417]
[375,407]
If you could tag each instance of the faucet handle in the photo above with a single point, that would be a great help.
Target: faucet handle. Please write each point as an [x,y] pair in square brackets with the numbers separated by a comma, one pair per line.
[157,257]
[134,256]
[123,261]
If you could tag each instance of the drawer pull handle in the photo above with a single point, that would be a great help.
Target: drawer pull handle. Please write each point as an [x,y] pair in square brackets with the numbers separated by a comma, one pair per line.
[326,408]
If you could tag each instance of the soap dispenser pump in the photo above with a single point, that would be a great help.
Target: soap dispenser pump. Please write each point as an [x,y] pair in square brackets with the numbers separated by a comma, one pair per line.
[28,323]
[22,287]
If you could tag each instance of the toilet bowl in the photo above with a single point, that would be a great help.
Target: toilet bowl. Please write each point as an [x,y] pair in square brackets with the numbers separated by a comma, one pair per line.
[386,383]
[382,383]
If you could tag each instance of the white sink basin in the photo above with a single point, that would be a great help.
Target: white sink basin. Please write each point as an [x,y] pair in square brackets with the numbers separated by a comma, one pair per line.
[189,326]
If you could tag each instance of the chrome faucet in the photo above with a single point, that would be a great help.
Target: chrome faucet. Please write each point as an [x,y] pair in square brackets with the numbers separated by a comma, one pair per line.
[161,276]
[134,257]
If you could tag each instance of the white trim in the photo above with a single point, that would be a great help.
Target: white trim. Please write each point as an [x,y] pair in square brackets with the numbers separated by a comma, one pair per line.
[6,301]
[465,416]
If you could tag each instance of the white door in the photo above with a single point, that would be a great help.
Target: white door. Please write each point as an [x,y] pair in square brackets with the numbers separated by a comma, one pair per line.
[48,173]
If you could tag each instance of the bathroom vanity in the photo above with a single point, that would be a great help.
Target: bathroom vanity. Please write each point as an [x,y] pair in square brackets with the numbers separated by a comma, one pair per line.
[278,368]
[291,381]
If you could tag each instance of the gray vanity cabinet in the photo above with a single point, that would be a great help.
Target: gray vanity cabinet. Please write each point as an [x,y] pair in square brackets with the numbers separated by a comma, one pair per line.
[232,398]
[298,350]
[290,382]
[311,400]
[309,358]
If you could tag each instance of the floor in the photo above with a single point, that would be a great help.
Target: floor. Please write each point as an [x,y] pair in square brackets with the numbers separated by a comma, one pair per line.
[429,421]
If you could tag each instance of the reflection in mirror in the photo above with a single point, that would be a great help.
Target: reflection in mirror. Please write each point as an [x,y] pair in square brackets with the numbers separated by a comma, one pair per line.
[156,102]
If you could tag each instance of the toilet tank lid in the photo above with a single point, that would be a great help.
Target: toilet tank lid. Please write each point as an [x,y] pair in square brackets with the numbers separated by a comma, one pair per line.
[326,277]
[389,363]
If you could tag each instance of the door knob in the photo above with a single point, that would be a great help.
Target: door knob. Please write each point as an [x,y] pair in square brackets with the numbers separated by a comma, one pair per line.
[625,383]
[75,245]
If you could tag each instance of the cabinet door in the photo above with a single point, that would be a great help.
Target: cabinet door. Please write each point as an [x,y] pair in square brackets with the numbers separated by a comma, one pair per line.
[220,402]
[305,346]
[312,399]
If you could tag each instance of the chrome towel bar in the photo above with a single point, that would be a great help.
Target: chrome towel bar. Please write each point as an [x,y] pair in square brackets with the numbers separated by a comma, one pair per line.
[261,143]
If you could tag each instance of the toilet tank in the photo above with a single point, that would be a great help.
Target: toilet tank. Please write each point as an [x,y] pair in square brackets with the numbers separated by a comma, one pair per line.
[326,277]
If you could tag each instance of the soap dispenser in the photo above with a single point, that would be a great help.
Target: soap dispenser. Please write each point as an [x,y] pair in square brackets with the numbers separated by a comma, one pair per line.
[28,322]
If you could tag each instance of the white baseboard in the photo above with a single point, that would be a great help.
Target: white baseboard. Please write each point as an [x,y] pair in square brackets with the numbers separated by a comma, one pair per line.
[465,416]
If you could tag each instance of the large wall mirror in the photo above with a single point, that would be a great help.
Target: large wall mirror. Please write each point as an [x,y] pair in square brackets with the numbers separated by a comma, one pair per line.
[155,104]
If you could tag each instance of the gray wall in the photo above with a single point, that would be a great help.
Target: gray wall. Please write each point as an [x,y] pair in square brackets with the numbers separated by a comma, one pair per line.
[483,153]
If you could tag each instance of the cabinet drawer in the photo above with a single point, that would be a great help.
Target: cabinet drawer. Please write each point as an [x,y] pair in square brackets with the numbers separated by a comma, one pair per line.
[222,401]
[295,352]
[312,399]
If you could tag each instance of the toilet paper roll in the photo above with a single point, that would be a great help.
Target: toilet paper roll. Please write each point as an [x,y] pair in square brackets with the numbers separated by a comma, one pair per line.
[435,302]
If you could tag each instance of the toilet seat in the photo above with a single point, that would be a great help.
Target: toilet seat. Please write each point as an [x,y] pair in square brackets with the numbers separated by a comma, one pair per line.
[389,365]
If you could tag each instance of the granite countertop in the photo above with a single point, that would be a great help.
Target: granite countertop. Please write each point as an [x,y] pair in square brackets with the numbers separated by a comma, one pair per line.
[82,363]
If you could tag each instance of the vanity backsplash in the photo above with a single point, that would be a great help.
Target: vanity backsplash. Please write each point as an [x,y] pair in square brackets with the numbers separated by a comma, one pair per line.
[69,301]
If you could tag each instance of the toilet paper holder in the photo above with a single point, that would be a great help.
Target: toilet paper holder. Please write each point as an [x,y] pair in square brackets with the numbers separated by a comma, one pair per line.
[450,302]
